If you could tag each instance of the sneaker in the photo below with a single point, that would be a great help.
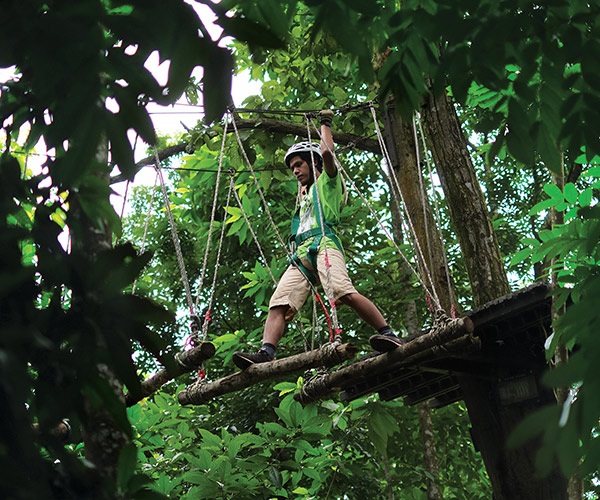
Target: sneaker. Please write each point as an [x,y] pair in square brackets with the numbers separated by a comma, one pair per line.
[243,360]
[385,343]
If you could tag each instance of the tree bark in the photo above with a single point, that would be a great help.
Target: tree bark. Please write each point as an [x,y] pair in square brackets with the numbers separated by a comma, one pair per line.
[466,203]
[431,257]
[432,465]
[187,361]
[268,125]
[328,355]
[401,146]
[512,472]
[102,436]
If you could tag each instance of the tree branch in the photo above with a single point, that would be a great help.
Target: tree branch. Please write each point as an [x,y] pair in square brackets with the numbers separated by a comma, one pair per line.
[268,125]
[287,128]
[328,355]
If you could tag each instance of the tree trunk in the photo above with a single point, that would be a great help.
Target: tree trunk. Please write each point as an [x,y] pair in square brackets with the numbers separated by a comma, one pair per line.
[102,436]
[465,200]
[512,472]
[418,214]
[401,146]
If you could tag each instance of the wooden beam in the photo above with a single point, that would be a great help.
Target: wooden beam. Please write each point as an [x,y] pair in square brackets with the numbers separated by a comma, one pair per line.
[187,361]
[328,355]
[418,348]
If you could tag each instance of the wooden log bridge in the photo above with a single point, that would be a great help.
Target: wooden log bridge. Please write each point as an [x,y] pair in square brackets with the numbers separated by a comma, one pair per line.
[186,361]
[447,337]
[328,355]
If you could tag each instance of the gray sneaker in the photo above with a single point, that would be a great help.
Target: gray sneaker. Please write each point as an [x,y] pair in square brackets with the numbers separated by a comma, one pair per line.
[245,359]
[385,343]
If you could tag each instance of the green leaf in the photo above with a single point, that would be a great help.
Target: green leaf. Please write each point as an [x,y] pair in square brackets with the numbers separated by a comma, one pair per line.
[542,205]
[570,192]
[275,477]
[554,192]
[520,256]
[585,197]
[532,425]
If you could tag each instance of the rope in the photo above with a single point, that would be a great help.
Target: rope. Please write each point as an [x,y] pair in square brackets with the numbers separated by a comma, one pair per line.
[212,218]
[271,221]
[423,193]
[174,235]
[417,246]
[260,192]
[217,265]
[379,222]
[437,213]
[328,286]
[146,225]
[260,250]
[298,319]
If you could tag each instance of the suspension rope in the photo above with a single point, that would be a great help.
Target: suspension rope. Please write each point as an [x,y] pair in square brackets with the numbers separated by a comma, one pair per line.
[217,265]
[260,250]
[258,245]
[328,285]
[423,194]
[272,222]
[432,292]
[146,226]
[174,235]
[212,219]
[437,211]
[380,223]
[258,188]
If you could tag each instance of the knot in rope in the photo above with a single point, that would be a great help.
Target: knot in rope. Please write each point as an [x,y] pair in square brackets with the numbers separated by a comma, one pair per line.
[329,354]
[314,388]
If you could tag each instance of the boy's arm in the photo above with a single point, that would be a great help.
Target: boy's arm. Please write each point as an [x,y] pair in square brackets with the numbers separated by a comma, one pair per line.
[327,145]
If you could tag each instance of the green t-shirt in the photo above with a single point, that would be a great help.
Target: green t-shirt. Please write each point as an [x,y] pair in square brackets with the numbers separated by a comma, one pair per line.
[330,197]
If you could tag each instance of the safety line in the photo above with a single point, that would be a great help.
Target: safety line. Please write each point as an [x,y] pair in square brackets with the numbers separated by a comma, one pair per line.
[380,223]
[319,209]
[437,210]
[212,218]
[174,235]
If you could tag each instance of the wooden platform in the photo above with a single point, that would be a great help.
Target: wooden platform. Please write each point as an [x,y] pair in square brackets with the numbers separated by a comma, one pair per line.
[511,330]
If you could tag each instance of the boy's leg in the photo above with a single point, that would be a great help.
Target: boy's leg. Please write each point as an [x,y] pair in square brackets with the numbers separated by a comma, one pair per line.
[345,293]
[289,296]
[366,310]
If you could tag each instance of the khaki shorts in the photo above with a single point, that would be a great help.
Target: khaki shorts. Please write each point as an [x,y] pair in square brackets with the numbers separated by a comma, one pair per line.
[293,287]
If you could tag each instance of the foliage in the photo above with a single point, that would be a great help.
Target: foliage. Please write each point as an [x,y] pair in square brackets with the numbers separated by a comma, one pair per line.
[64,312]
[293,452]
[571,435]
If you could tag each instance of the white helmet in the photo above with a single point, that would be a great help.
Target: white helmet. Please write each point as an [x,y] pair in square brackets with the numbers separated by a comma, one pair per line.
[304,147]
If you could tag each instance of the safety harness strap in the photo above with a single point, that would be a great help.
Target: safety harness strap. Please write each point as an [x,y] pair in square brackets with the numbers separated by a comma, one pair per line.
[317,234]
